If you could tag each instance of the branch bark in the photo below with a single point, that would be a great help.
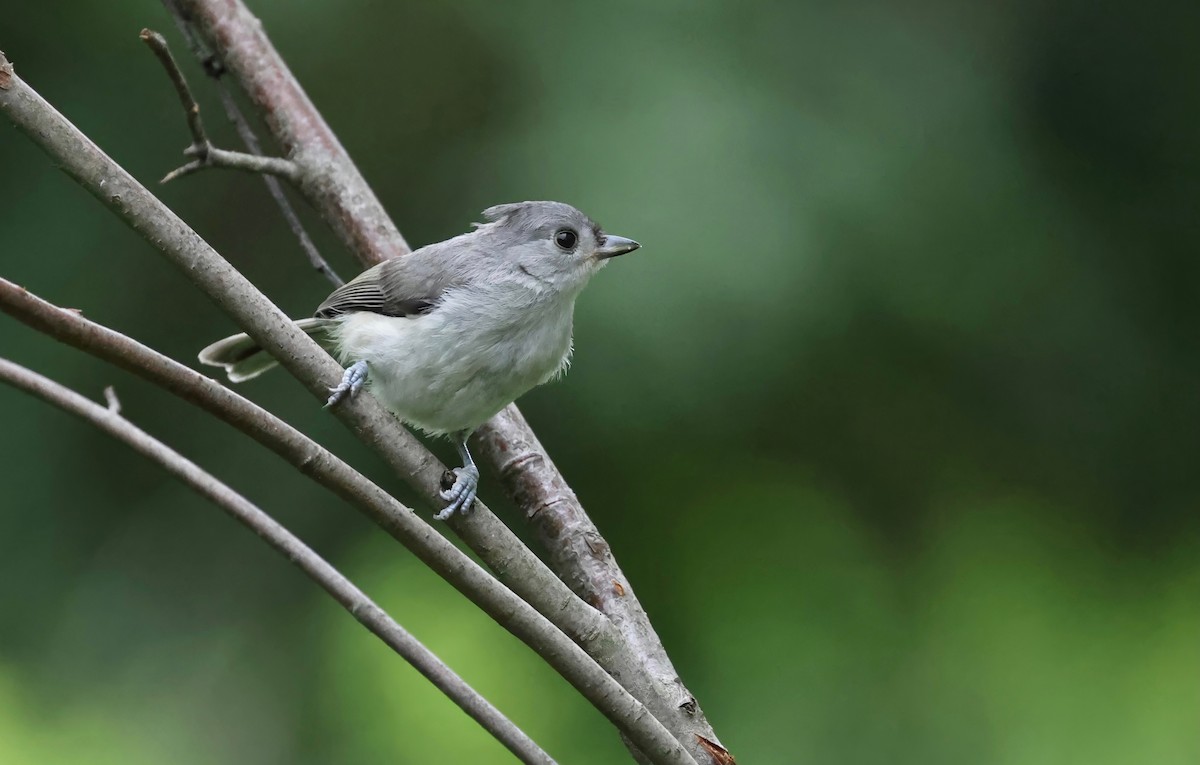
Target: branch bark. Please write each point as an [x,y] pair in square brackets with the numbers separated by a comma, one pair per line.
[263,321]
[578,552]
[334,186]
[109,420]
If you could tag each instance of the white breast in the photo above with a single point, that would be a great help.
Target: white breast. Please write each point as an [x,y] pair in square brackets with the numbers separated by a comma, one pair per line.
[474,354]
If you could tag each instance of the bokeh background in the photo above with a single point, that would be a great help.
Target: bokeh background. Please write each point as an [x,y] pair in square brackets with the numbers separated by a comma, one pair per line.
[892,422]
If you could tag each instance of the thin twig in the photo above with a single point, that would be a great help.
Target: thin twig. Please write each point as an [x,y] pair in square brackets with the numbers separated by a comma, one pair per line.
[202,150]
[109,420]
[158,45]
[209,60]
[272,329]
[336,188]
[210,156]
[215,69]
[246,133]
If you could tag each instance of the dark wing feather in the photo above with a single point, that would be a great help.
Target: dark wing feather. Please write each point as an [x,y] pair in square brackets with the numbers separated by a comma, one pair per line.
[405,286]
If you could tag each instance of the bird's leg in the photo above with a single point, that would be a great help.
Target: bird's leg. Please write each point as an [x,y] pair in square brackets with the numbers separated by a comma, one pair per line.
[460,497]
[353,379]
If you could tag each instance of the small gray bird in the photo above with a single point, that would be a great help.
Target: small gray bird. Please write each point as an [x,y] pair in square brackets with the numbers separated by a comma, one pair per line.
[452,333]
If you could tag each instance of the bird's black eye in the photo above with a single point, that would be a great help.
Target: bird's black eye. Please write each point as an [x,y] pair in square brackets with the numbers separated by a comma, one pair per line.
[566,239]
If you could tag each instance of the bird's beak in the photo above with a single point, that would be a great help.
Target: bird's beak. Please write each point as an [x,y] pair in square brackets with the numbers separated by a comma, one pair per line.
[616,245]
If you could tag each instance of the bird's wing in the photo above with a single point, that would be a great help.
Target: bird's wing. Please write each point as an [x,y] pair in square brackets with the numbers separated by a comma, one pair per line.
[404,286]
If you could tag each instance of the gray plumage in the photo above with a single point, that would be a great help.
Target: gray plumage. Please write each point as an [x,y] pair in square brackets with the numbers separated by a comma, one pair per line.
[452,333]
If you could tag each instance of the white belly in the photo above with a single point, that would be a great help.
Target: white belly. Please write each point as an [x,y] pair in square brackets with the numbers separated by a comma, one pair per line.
[455,367]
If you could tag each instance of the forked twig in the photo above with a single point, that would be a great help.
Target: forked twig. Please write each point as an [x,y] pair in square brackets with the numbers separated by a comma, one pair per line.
[202,151]
[215,69]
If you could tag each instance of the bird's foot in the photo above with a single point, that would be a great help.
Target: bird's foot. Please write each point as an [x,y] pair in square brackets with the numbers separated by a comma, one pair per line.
[460,497]
[353,379]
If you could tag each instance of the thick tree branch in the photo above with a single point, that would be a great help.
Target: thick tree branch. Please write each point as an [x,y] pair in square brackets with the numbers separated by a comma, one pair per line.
[109,420]
[106,180]
[333,185]
[577,550]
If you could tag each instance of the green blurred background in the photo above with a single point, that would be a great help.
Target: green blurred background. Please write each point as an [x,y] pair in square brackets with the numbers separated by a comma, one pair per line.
[893,421]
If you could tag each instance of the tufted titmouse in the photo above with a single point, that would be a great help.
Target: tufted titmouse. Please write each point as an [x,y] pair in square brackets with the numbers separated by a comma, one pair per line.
[452,333]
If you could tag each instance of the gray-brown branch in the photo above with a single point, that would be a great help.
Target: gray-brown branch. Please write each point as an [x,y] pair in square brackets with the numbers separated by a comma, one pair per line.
[109,420]
[274,331]
[334,186]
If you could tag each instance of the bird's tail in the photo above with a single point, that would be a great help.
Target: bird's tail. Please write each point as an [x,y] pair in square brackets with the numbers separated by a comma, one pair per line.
[243,359]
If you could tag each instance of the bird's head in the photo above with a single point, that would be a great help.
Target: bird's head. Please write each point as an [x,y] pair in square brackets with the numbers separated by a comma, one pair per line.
[551,242]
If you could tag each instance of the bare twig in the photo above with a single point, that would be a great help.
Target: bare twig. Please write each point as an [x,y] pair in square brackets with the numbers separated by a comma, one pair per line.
[111,184]
[549,594]
[210,156]
[109,420]
[214,68]
[246,133]
[336,188]
[158,44]
[202,151]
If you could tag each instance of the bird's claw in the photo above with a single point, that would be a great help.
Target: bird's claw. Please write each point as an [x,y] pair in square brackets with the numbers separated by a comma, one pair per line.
[460,497]
[353,379]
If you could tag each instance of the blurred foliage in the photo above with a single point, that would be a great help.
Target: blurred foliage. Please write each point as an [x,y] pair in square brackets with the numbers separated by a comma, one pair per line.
[893,421]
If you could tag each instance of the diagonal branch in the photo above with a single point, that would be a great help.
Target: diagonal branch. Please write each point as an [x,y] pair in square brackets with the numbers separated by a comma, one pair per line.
[578,552]
[109,420]
[246,133]
[237,43]
[263,321]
